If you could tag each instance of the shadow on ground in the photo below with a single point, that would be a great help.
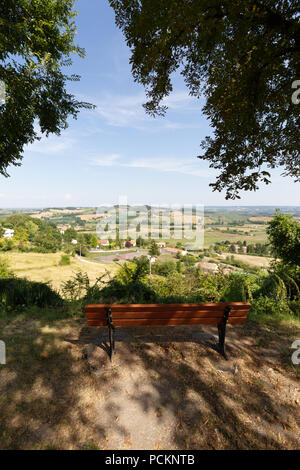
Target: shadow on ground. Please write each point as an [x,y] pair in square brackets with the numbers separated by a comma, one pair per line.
[167,388]
[171,389]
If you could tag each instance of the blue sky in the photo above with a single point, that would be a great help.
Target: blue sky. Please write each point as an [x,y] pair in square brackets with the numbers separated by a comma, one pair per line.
[117,149]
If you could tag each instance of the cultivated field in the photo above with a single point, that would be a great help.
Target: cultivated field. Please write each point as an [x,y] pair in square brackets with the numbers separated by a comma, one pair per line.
[214,236]
[46,267]
[259,261]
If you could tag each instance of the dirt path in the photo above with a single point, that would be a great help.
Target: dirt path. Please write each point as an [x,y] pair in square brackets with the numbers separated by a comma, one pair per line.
[167,388]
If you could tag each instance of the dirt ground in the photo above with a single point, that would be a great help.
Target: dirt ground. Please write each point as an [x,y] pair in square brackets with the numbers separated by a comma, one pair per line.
[166,388]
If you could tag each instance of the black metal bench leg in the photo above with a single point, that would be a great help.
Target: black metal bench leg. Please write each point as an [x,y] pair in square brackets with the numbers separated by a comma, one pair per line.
[222,332]
[111,332]
[113,339]
[221,343]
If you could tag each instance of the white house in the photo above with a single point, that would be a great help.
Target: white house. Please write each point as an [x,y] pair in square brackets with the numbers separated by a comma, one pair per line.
[9,233]
[103,243]
[161,244]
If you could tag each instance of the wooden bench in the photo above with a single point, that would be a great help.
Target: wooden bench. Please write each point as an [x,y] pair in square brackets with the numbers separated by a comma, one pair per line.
[219,314]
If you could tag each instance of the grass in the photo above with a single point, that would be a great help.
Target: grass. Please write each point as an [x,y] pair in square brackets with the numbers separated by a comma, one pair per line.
[46,267]
[275,321]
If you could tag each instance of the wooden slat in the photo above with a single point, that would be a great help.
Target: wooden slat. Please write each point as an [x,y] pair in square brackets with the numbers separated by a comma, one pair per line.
[135,306]
[168,321]
[97,323]
[167,307]
[96,315]
[94,308]
[166,314]
[171,314]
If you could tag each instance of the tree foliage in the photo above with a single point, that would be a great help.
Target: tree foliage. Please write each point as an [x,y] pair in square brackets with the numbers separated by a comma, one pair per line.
[36,41]
[48,240]
[154,249]
[284,236]
[243,56]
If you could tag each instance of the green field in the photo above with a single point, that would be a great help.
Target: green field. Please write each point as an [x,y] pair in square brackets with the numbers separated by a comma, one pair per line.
[212,236]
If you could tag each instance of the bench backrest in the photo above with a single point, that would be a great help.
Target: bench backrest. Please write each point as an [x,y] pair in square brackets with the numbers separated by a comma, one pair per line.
[167,314]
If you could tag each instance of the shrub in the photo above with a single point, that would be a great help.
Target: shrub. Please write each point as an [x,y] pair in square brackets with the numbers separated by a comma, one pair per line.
[128,286]
[79,288]
[133,292]
[164,268]
[5,272]
[295,307]
[169,289]
[133,271]
[210,287]
[270,306]
[239,288]
[65,260]
[189,260]
[76,287]
[6,244]
[15,293]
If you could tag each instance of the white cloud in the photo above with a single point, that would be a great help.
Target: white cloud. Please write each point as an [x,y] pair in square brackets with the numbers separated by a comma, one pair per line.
[165,164]
[128,111]
[52,145]
[107,160]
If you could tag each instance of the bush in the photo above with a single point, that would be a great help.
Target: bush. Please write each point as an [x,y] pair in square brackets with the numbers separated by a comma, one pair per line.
[128,286]
[79,289]
[65,260]
[189,260]
[209,288]
[164,268]
[239,288]
[6,244]
[168,289]
[133,271]
[270,306]
[5,272]
[15,293]
[76,287]
[295,307]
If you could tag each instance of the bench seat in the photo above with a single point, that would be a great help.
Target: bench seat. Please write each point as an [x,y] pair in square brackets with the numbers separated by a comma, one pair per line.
[218,314]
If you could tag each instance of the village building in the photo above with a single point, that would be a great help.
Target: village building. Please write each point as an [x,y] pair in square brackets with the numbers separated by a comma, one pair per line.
[161,244]
[228,270]
[9,233]
[173,251]
[103,243]
[208,267]
[170,251]
[129,243]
